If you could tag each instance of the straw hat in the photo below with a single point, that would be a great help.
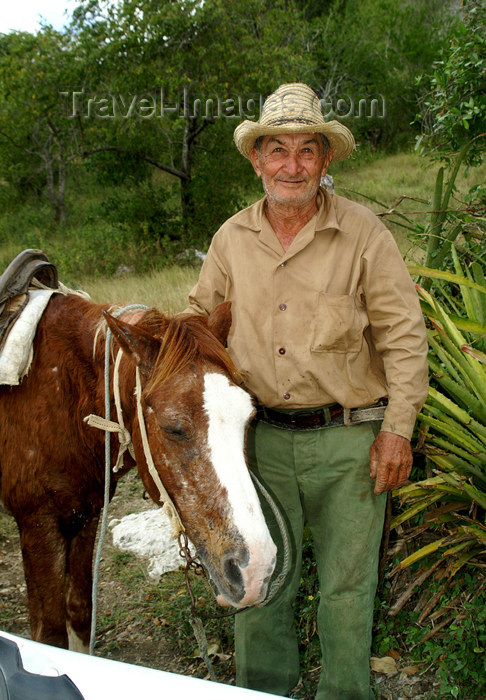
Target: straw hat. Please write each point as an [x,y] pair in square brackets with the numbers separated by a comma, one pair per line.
[294,108]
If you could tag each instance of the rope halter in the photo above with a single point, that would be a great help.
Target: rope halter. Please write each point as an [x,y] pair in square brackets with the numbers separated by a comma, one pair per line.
[124,437]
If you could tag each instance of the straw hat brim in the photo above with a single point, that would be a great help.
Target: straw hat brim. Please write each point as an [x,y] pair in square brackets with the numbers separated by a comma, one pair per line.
[339,136]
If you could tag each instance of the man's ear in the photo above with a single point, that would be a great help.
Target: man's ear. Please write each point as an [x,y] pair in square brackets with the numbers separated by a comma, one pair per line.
[135,342]
[255,161]
[219,321]
[327,161]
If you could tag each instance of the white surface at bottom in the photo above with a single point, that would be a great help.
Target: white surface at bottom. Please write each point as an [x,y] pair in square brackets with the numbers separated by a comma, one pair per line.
[97,678]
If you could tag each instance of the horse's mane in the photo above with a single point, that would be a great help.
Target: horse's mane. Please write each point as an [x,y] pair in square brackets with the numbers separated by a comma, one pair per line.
[183,339]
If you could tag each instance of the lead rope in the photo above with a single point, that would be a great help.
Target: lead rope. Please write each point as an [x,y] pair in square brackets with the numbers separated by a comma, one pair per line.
[279,580]
[106,497]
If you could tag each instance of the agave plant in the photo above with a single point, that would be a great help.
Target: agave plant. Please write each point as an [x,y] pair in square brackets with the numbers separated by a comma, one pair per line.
[449,505]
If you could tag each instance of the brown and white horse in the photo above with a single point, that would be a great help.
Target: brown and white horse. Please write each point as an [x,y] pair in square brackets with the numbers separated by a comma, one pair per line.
[52,462]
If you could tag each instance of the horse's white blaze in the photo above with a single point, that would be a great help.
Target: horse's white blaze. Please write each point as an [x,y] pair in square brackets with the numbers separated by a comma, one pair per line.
[228,409]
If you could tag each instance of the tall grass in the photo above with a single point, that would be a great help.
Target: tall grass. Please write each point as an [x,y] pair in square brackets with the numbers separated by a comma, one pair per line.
[167,289]
[387,178]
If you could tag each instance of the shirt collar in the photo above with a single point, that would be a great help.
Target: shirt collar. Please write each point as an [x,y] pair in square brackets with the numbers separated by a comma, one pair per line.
[326,218]
[326,215]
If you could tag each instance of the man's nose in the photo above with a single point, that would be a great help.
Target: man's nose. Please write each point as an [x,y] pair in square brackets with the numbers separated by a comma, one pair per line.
[293,164]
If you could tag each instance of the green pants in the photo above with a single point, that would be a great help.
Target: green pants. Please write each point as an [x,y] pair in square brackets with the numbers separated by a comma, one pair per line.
[320,477]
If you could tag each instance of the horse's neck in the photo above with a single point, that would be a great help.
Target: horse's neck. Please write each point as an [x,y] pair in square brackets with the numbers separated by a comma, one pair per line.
[78,335]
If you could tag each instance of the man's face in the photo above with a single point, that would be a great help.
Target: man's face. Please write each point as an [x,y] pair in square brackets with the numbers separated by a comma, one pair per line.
[291,166]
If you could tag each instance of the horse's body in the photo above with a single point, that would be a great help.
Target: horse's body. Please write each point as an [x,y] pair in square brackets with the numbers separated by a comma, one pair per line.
[52,462]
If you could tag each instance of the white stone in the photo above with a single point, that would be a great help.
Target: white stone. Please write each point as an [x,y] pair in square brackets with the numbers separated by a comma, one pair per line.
[147,534]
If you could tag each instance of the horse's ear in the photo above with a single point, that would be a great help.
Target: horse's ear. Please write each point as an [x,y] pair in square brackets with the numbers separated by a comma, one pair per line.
[136,342]
[219,321]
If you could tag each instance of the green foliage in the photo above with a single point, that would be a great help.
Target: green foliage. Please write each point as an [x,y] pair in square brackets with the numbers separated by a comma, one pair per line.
[441,519]
[453,108]
[147,207]
[453,641]
[96,247]
[116,56]
[452,430]
[454,221]
[439,243]
[181,56]
[90,247]
[37,141]
[83,94]
[399,43]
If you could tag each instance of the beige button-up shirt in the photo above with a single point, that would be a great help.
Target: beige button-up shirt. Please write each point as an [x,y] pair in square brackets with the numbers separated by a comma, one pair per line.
[335,318]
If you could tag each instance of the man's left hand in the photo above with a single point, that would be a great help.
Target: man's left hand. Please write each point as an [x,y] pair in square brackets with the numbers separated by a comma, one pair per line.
[390,461]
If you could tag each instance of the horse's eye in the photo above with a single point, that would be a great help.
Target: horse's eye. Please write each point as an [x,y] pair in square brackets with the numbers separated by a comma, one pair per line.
[176,431]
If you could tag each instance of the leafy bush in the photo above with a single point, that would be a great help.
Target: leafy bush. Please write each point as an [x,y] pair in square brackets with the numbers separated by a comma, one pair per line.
[147,208]
[440,521]
[453,437]
[454,105]
[453,640]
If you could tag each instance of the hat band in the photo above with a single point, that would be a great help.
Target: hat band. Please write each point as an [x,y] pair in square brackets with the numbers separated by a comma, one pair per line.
[289,120]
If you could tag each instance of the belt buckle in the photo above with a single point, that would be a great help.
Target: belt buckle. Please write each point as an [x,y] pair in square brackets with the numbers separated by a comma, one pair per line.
[310,419]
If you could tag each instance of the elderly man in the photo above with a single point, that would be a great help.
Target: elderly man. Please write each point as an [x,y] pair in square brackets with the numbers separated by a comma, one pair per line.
[328,334]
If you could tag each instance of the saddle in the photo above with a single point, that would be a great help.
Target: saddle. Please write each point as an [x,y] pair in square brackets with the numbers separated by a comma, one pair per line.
[29,269]
[18,684]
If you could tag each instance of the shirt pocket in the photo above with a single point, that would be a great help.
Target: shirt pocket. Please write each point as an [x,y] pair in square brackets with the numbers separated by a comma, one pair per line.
[337,326]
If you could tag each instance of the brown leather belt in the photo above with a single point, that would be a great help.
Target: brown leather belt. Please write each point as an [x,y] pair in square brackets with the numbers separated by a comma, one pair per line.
[328,417]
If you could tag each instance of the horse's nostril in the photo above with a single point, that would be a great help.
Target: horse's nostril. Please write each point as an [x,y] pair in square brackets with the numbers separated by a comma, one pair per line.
[232,571]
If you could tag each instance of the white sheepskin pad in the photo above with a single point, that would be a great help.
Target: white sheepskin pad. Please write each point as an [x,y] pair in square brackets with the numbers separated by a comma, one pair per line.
[16,356]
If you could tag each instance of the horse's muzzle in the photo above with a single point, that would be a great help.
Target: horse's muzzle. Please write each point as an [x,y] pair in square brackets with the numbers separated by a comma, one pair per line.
[243,582]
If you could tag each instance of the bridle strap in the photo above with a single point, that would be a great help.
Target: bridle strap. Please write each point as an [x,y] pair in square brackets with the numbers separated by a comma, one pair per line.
[124,436]
[168,507]
[117,426]
[125,443]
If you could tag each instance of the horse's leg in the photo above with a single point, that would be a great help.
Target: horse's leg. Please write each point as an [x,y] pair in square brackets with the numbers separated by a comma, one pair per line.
[79,587]
[44,560]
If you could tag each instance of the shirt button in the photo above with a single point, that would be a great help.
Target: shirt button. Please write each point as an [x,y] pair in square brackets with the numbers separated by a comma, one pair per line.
[286,396]
[282,307]
[282,351]
[283,264]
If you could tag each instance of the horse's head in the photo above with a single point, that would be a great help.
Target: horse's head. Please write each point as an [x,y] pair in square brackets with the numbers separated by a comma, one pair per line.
[196,418]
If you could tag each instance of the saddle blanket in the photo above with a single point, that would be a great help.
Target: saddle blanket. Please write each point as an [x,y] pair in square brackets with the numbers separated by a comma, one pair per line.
[17,353]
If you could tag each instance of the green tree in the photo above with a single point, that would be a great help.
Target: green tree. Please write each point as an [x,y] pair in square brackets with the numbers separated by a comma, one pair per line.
[184,57]
[453,106]
[37,141]
[376,49]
